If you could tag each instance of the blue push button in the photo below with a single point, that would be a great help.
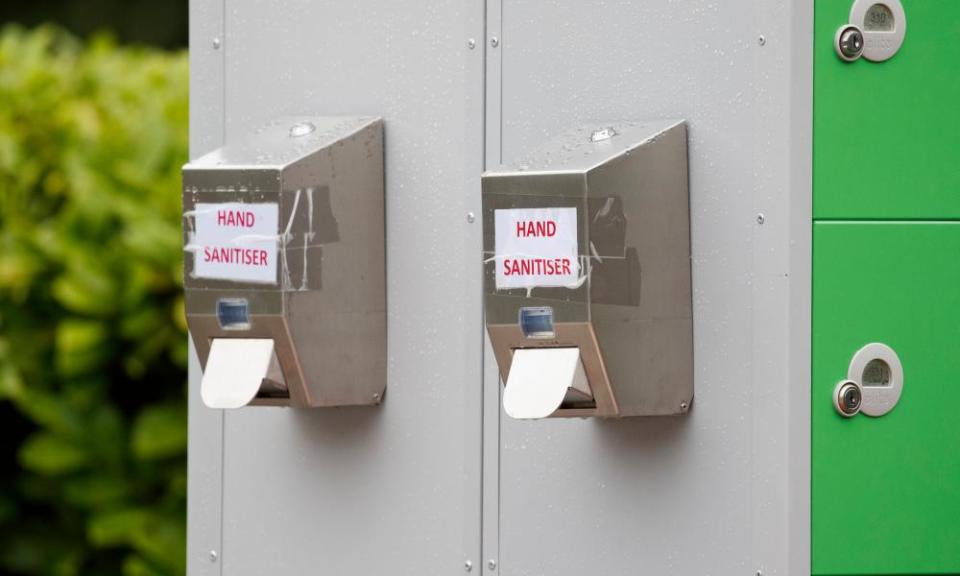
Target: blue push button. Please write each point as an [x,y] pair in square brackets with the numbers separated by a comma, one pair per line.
[537,322]
[233,314]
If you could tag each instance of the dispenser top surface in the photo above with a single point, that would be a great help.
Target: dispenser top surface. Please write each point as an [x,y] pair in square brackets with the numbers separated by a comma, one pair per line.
[282,142]
[586,147]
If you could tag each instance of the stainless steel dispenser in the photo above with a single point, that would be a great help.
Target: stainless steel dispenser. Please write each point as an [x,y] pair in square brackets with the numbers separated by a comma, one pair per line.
[587,280]
[284,266]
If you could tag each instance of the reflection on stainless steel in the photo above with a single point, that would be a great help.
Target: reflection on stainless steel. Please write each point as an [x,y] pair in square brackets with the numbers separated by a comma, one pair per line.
[608,226]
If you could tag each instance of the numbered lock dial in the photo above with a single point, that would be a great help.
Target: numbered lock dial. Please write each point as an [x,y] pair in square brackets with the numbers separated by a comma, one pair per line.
[875,31]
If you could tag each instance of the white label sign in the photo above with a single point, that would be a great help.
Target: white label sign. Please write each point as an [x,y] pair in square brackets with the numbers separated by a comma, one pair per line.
[236,241]
[536,247]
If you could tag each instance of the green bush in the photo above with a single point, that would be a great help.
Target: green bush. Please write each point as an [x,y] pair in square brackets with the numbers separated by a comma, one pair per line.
[92,334]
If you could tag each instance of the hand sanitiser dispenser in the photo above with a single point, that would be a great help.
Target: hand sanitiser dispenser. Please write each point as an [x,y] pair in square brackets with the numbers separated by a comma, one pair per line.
[284,268]
[587,280]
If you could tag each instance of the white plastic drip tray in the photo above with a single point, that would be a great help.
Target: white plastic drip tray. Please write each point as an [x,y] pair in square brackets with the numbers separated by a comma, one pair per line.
[542,379]
[235,371]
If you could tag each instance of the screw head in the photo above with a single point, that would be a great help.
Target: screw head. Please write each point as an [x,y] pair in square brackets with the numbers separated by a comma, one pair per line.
[492,564]
[494,41]
[216,43]
[213,556]
[468,566]
[762,40]
[761,219]
[684,406]
[471,43]
[849,42]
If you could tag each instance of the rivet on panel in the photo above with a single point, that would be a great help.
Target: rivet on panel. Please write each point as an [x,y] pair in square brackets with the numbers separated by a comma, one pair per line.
[216,43]
[684,406]
[471,43]
[494,41]
[762,40]
[468,566]
[760,219]
[213,556]
[492,564]
[471,217]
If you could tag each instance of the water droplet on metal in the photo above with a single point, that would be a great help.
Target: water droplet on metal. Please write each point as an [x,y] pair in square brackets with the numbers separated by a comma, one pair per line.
[302,129]
[602,134]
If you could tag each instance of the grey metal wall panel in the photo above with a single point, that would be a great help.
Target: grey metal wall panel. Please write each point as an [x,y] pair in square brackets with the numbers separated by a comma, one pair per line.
[796,157]
[724,490]
[394,489]
[721,490]
[491,378]
[205,456]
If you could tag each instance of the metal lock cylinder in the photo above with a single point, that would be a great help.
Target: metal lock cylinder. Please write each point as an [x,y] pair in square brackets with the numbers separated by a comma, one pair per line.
[847,398]
[849,42]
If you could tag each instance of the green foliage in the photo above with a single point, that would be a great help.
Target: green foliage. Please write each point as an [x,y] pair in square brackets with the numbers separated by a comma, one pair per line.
[92,336]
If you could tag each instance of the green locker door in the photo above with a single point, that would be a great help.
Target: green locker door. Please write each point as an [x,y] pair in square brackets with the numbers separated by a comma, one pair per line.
[886,491]
[886,268]
[887,134]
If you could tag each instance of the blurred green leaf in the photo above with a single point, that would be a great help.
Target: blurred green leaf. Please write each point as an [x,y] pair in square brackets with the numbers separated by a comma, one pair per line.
[119,527]
[11,385]
[97,491]
[85,290]
[160,432]
[49,411]
[52,455]
[138,566]
[18,268]
[157,537]
[104,427]
[81,346]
